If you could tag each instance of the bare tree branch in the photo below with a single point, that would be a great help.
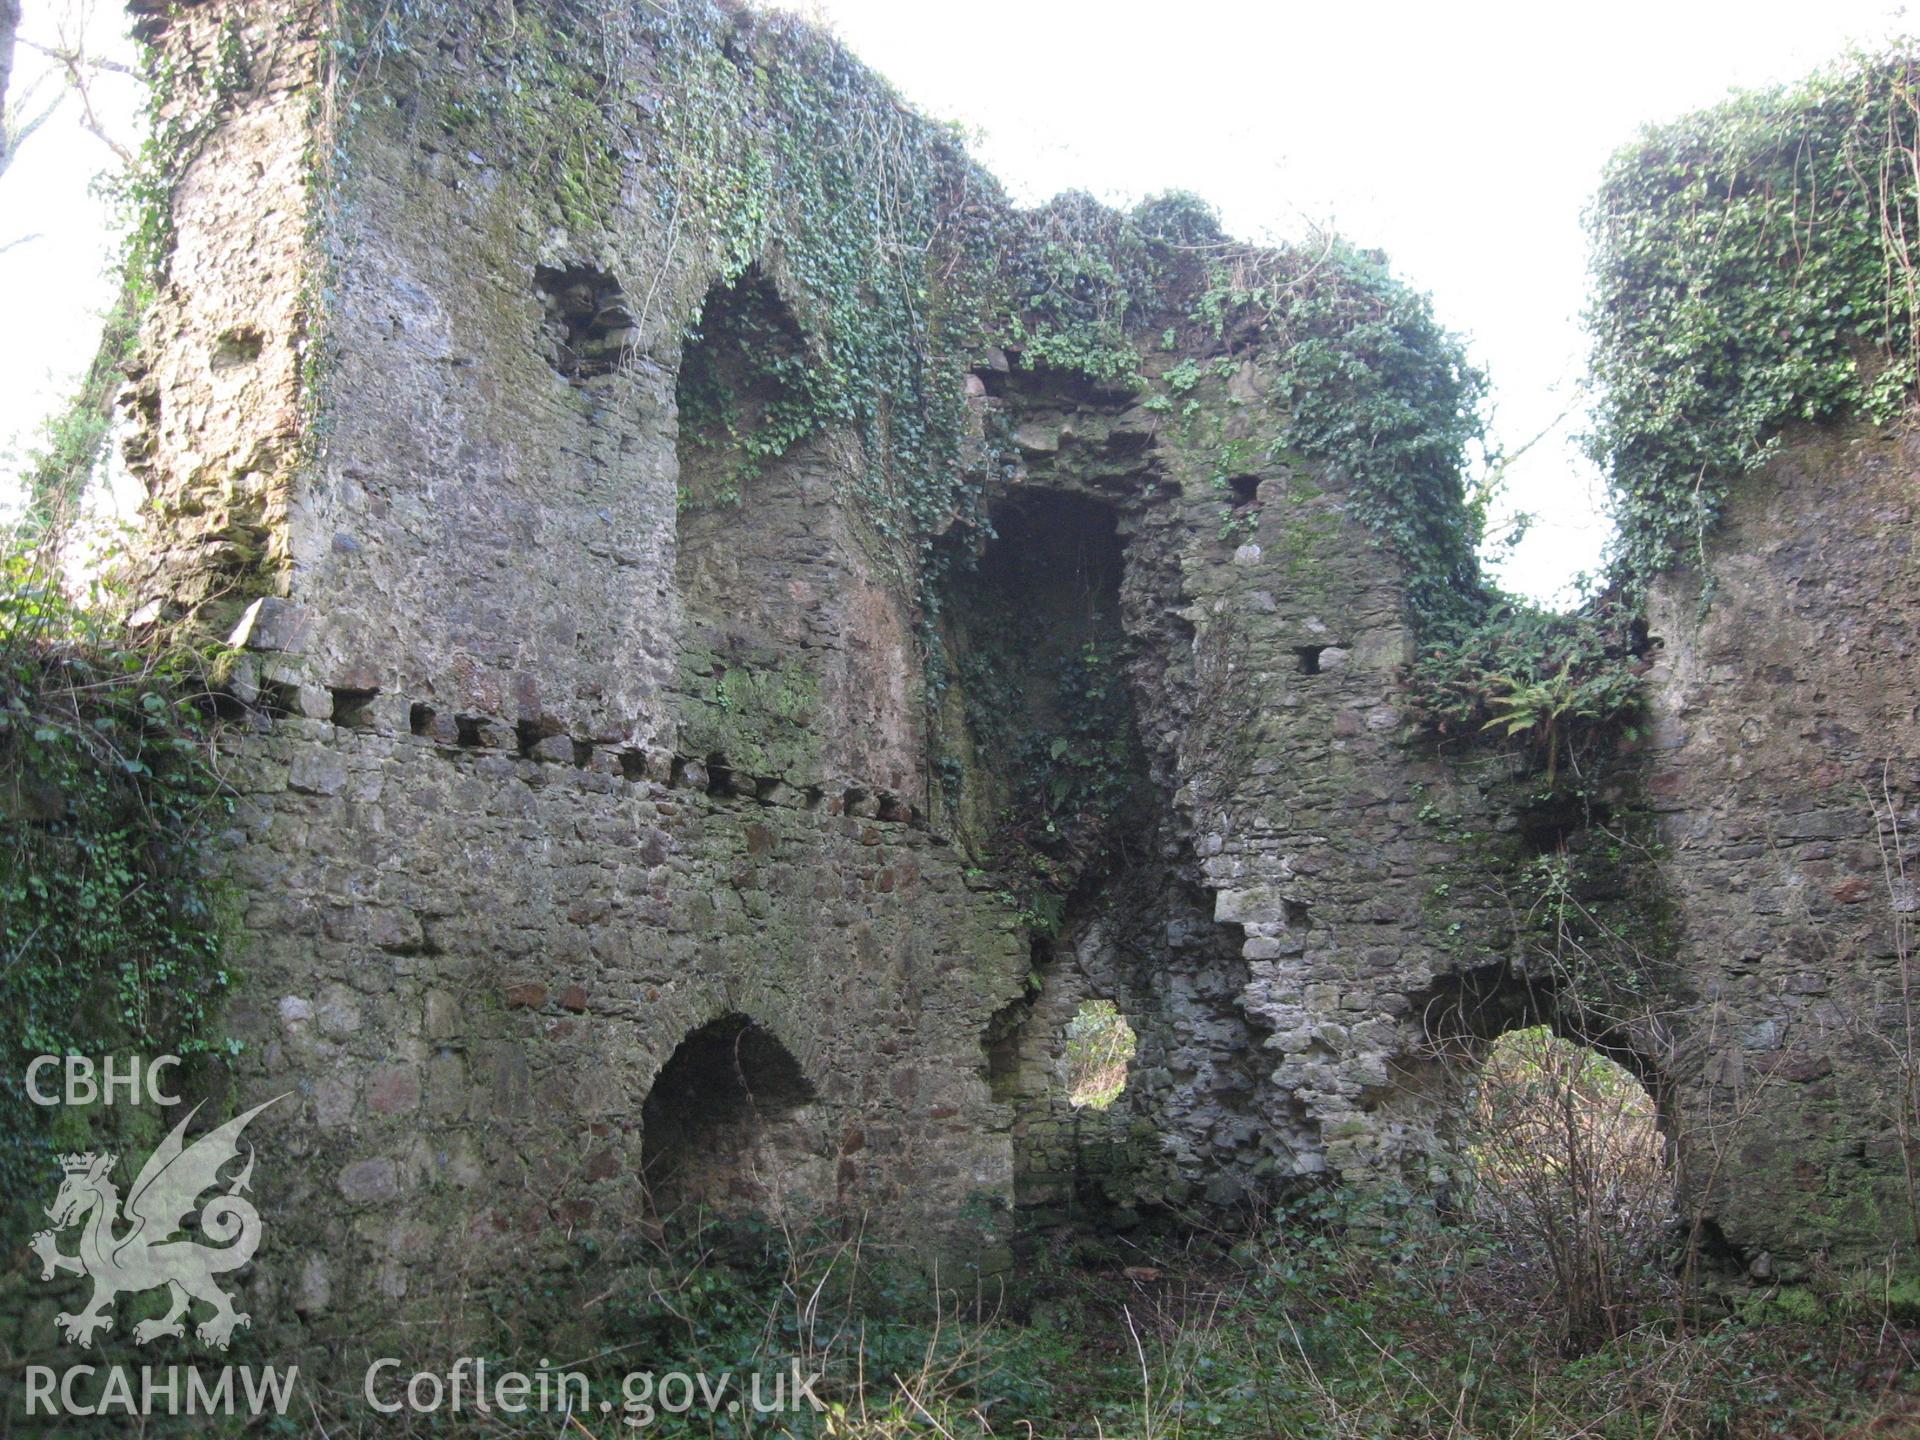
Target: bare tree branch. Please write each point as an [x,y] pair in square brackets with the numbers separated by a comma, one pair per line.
[22,119]
[81,71]
[73,54]
[75,68]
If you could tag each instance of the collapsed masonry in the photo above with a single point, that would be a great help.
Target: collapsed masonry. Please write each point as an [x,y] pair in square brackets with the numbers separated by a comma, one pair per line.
[625,778]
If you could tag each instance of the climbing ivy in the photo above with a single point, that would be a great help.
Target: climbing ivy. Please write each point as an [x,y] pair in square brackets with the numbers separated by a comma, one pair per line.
[747,393]
[876,226]
[1754,266]
[769,144]
[1077,778]
[1074,770]
[790,169]
[59,468]
[186,99]
[1082,273]
[111,935]
[1375,388]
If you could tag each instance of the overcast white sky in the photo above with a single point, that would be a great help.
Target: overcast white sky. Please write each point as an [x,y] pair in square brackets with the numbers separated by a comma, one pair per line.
[1463,139]
[56,236]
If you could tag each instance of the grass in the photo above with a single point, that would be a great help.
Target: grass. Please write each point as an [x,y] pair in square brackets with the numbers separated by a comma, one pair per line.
[1343,1319]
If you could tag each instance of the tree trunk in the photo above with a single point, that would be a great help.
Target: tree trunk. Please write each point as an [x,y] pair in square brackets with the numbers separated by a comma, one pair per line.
[9,23]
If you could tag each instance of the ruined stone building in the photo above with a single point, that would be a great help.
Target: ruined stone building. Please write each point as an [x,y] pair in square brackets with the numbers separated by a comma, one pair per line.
[671,511]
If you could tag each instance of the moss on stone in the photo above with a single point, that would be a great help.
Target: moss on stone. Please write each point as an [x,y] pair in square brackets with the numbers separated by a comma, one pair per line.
[759,720]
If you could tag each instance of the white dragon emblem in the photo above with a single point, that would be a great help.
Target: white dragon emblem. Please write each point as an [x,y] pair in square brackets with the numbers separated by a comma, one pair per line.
[151,1251]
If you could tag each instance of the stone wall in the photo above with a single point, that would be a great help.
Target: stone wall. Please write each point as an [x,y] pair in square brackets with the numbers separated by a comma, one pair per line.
[564,735]
[1266,633]
[1784,765]
[214,400]
[470,965]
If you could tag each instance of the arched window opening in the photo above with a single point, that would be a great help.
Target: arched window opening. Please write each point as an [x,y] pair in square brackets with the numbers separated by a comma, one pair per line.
[746,392]
[1100,1046]
[1571,1174]
[726,1123]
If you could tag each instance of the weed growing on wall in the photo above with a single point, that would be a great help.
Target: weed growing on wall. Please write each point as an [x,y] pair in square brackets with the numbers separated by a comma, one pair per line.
[1753,268]
[881,229]
[112,931]
[1082,273]
[747,393]
[59,468]
[892,266]
[1072,773]
[904,263]
[1552,681]
[1373,388]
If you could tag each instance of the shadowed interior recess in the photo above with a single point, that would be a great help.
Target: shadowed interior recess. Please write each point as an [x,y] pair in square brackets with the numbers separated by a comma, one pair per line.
[724,1107]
